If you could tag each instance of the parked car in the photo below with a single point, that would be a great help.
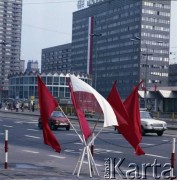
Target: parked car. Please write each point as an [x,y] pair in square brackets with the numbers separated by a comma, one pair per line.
[89,114]
[56,120]
[151,125]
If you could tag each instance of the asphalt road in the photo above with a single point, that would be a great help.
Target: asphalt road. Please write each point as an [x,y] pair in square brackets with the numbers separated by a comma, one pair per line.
[29,158]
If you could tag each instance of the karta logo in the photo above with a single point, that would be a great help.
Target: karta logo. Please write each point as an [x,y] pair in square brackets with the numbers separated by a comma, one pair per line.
[118,169]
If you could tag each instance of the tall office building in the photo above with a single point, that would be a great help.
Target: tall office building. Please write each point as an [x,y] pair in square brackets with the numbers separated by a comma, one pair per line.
[57,58]
[32,66]
[123,40]
[10,41]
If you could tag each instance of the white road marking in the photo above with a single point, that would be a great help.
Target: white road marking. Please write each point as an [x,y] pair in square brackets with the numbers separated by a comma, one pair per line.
[166,140]
[68,150]
[85,162]
[18,122]
[7,126]
[34,152]
[153,155]
[32,136]
[78,143]
[107,150]
[30,122]
[60,157]
[147,144]
[32,130]
[71,134]
[71,151]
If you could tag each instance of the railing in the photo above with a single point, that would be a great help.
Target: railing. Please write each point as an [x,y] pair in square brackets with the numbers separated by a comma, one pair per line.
[170,115]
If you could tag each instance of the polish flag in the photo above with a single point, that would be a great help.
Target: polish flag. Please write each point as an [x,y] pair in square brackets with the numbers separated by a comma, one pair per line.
[85,94]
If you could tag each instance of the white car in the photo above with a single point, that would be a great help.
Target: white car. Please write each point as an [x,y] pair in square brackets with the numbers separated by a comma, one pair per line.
[150,125]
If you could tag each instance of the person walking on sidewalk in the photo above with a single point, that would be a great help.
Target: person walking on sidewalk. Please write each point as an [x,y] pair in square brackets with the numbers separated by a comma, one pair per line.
[17,106]
[33,106]
[22,107]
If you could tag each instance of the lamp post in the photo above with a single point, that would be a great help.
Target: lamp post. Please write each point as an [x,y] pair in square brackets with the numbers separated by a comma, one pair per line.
[161,70]
[147,54]
[96,55]
[1,87]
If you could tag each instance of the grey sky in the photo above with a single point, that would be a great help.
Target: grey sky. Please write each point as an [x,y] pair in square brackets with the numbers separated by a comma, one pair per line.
[50,24]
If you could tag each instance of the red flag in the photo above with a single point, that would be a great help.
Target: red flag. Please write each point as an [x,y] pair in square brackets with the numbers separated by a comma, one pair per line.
[128,125]
[82,121]
[155,87]
[132,106]
[47,105]
[117,104]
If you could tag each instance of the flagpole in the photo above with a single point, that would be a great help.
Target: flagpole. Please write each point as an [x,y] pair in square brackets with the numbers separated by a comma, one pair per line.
[95,137]
[71,124]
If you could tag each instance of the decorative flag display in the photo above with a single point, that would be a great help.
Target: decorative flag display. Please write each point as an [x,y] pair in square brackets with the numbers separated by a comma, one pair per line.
[47,105]
[82,121]
[128,113]
[87,95]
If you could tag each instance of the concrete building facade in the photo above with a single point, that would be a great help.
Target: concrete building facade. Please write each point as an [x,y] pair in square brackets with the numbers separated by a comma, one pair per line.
[56,58]
[32,66]
[24,85]
[10,41]
[129,41]
[173,75]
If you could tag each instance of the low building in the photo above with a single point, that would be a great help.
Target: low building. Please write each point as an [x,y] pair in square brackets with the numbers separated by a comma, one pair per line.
[24,85]
[160,99]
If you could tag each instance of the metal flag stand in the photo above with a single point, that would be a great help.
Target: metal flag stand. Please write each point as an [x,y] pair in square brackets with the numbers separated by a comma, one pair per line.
[91,163]
[86,151]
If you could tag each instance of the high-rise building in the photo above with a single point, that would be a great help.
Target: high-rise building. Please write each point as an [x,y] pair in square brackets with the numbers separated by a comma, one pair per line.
[32,66]
[173,75]
[56,58]
[10,40]
[22,65]
[123,40]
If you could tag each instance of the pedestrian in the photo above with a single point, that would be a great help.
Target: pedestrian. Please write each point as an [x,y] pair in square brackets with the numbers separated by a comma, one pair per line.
[14,105]
[17,106]
[33,106]
[22,106]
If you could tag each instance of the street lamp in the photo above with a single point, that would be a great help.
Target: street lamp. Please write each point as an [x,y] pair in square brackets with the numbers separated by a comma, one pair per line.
[147,54]
[96,55]
[1,87]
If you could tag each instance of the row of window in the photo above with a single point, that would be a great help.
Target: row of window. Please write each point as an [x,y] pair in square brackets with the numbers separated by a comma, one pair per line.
[24,92]
[147,3]
[159,74]
[49,80]
[156,20]
[158,28]
[153,12]
[155,35]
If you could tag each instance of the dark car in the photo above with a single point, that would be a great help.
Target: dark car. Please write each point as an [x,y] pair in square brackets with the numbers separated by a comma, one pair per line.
[56,120]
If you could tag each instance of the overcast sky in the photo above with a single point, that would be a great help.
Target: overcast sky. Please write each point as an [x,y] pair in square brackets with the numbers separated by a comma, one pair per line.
[47,24]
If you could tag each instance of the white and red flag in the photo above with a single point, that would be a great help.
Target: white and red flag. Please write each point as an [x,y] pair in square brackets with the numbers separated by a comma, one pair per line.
[128,116]
[47,105]
[81,117]
[88,97]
